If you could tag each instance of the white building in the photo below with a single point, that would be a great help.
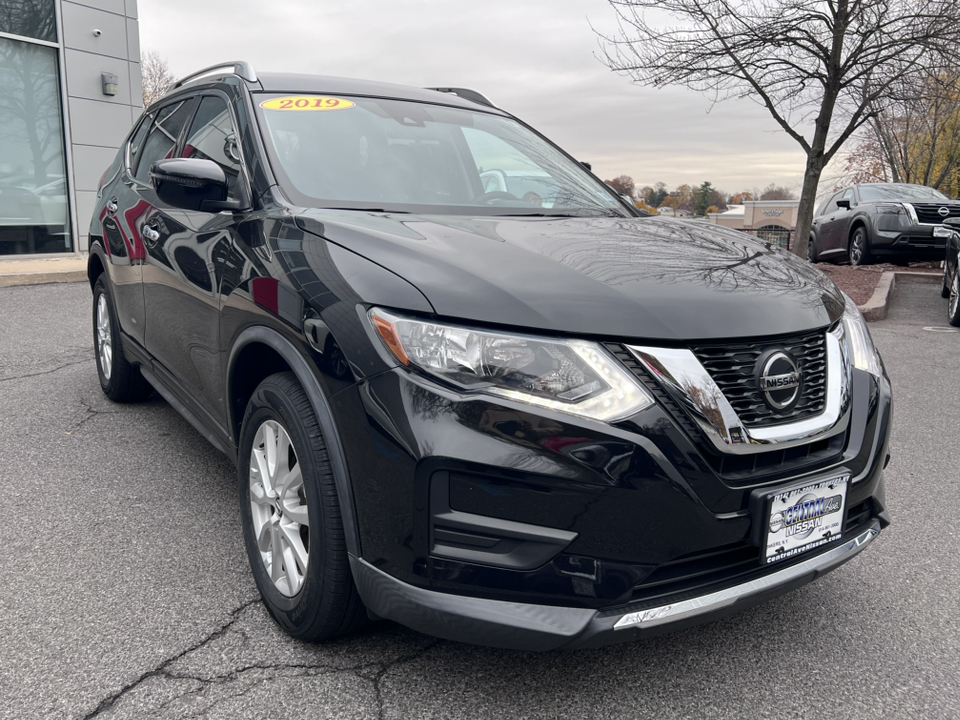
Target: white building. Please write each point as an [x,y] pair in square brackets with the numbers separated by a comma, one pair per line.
[770,219]
[70,88]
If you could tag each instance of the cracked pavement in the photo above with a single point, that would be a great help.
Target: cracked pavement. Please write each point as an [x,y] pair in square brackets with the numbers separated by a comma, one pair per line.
[125,589]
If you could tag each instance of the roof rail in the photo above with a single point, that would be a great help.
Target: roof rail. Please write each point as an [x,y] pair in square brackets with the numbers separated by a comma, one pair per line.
[240,68]
[466,94]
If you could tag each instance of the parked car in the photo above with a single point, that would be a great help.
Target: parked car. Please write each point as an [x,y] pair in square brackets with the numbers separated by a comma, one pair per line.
[507,422]
[882,221]
[951,273]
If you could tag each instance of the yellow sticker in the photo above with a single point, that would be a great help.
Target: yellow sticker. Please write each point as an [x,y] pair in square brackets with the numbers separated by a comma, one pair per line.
[306,103]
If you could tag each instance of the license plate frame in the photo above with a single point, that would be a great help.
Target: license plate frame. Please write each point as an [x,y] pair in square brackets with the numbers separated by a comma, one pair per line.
[800,518]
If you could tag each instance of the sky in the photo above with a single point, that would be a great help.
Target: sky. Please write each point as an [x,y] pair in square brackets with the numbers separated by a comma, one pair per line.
[537,59]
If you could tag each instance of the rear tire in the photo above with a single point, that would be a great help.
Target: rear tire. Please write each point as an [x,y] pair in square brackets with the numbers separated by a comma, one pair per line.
[292,526]
[859,249]
[812,254]
[120,380]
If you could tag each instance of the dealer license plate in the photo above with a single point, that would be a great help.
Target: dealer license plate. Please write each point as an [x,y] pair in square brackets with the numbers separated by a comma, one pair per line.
[805,517]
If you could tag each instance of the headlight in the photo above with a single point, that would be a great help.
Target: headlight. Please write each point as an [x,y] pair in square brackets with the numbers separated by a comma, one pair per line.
[571,376]
[857,341]
[892,215]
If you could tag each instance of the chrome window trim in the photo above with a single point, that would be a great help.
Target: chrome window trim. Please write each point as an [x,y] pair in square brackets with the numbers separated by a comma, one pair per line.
[686,380]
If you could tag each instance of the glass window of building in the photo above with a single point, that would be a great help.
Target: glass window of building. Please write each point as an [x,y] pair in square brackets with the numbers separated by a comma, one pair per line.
[34,216]
[29,18]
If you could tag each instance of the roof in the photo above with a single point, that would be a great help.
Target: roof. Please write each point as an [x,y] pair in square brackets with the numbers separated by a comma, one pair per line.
[294,82]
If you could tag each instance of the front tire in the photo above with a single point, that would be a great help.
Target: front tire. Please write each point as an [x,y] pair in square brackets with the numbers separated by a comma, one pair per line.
[292,526]
[859,249]
[945,284]
[953,305]
[120,380]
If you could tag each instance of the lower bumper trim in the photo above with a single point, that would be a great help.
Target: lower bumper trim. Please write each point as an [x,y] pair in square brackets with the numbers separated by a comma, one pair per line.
[524,626]
[722,598]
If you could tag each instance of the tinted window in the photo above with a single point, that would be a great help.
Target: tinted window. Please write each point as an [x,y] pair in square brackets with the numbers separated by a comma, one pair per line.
[136,142]
[214,137]
[830,205]
[163,136]
[29,18]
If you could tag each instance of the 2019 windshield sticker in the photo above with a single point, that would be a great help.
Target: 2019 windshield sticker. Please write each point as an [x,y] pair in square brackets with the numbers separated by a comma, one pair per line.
[307,103]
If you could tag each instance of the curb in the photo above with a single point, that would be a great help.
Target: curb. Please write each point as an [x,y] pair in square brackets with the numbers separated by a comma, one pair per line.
[879,303]
[43,278]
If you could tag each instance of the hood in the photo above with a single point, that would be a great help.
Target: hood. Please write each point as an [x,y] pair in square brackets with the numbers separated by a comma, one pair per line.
[625,278]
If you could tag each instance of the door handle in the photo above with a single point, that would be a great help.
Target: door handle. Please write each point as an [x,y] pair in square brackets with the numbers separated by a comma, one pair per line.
[112,206]
[150,233]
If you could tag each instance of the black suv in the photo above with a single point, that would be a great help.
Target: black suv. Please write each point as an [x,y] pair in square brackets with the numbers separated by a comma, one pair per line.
[466,387]
[883,221]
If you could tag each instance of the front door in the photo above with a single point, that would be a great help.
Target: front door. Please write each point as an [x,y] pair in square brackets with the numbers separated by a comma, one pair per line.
[180,289]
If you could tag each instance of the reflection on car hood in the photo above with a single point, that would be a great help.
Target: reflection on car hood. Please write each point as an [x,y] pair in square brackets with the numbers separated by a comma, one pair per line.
[630,278]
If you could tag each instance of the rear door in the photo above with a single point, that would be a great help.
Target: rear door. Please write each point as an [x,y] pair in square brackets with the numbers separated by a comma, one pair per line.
[180,283]
[121,241]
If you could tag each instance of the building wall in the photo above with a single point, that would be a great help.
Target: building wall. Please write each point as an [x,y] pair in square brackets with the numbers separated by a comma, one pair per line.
[96,123]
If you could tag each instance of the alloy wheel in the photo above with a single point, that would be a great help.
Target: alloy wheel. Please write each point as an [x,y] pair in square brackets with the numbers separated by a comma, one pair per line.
[104,337]
[856,249]
[955,293]
[278,503]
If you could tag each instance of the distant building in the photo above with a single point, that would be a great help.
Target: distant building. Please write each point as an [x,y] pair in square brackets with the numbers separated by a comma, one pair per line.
[773,220]
[70,88]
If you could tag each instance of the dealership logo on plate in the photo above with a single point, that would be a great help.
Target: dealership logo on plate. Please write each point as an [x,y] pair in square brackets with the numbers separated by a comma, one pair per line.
[806,515]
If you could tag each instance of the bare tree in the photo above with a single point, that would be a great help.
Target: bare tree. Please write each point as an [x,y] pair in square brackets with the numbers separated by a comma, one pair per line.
[918,130]
[624,185]
[803,60]
[776,192]
[157,77]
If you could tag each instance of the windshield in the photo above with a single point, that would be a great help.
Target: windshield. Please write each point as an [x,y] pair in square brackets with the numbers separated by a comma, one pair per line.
[394,155]
[898,191]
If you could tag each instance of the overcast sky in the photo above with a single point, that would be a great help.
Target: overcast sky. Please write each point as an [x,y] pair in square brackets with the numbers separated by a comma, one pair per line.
[537,59]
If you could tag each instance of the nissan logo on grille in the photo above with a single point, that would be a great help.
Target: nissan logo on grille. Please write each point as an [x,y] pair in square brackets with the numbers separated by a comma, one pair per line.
[779,379]
[943,212]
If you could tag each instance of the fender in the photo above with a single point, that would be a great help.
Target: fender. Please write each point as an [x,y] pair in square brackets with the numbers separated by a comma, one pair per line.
[321,407]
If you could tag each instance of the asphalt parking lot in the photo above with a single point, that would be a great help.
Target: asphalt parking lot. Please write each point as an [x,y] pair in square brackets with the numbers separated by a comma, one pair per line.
[125,591]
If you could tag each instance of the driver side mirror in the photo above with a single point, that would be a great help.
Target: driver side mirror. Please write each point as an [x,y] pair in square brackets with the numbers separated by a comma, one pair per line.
[845,204]
[194,184]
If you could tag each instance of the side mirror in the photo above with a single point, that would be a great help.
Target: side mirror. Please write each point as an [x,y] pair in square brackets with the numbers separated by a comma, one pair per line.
[845,204]
[953,222]
[193,184]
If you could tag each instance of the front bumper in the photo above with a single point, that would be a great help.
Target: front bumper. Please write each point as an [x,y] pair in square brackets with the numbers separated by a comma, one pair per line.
[917,240]
[495,523]
[523,626]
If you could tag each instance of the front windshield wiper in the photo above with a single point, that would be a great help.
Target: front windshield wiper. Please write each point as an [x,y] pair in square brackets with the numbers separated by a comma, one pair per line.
[566,214]
[365,209]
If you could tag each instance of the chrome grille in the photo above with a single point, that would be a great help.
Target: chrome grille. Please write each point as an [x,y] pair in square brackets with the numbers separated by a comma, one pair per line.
[732,367]
[929,213]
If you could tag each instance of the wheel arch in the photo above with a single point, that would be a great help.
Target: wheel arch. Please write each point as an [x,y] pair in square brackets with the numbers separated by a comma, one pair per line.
[859,222]
[272,352]
[95,263]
